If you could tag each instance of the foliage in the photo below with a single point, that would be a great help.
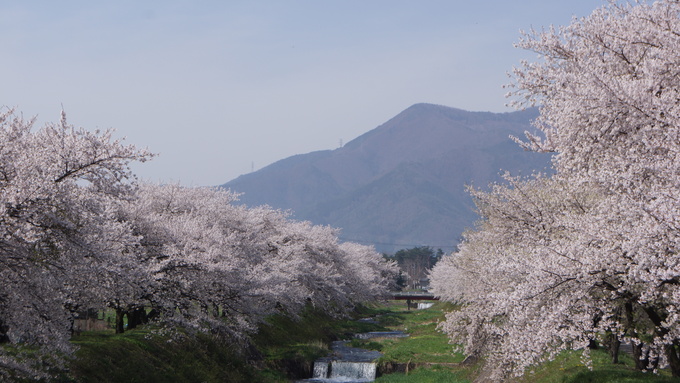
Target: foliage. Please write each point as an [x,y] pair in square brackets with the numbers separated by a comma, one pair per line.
[228,267]
[415,263]
[61,242]
[80,233]
[281,349]
[425,375]
[422,254]
[287,345]
[568,367]
[280,336]
[590,254]
[150,356]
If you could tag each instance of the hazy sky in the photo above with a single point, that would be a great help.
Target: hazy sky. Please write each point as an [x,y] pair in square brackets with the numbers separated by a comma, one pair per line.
[217,88]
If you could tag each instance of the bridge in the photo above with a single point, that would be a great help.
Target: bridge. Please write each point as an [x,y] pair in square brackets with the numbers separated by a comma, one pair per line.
[413,296]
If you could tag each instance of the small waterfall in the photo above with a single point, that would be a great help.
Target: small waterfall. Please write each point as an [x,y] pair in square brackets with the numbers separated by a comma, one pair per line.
[320,370]
[361,371]
[349,364]
[343,371]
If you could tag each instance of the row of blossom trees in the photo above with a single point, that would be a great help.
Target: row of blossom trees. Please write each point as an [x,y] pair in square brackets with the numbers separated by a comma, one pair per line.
[78,232]
[588,255]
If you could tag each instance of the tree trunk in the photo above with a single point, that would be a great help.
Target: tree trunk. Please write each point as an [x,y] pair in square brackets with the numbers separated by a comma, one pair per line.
[640,362]
[120,324]
[136,317]
[673,359]
[153,314]
[671,349]
[614,345]
[3,333]
[132,319]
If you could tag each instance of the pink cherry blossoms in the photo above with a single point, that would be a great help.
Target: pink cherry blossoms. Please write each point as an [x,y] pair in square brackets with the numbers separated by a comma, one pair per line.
[589,255]
[79,232]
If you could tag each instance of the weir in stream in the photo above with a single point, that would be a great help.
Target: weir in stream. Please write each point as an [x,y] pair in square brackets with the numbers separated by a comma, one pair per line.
[350,364]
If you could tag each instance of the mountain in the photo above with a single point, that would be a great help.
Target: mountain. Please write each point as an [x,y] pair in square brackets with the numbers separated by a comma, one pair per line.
[401,184]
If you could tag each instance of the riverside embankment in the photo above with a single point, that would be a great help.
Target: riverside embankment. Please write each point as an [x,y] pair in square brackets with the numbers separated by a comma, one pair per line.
[284,350]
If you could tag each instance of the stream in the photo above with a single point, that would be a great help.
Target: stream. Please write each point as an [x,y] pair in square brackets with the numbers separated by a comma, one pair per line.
[350,364]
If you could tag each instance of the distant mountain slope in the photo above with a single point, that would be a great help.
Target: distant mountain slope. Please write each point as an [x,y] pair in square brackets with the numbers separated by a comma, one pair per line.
[401,184]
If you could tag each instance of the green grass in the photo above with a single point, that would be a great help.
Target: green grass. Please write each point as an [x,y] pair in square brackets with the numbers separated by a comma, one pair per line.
[282,337]
[282,349]
[285,349]
[569,368]
[283,340]
[32,358]
[141,355]
[434,374]
[419,349]
[427,347]
[425,343]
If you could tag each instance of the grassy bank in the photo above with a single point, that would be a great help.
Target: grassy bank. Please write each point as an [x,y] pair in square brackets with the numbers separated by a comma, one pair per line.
[282,349]
[144,355]
[569,368]
[285,349]
[430,359]
[291,346]
[425,355]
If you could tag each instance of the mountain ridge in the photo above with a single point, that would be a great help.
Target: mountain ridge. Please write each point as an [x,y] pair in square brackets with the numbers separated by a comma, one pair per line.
[402,183]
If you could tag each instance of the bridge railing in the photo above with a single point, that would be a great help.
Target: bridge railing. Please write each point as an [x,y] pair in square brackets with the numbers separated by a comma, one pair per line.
[410,295]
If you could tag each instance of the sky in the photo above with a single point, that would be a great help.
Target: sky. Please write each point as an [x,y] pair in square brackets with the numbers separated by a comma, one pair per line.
[221,88]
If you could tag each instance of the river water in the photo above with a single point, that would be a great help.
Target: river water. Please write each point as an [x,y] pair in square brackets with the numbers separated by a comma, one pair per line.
[350,364]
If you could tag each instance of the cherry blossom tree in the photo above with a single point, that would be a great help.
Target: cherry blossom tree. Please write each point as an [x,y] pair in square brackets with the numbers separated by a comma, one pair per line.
[209,258]
[610,109]
[225,267]
[79,232]
[58,186]
[524,278]
[590,254]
